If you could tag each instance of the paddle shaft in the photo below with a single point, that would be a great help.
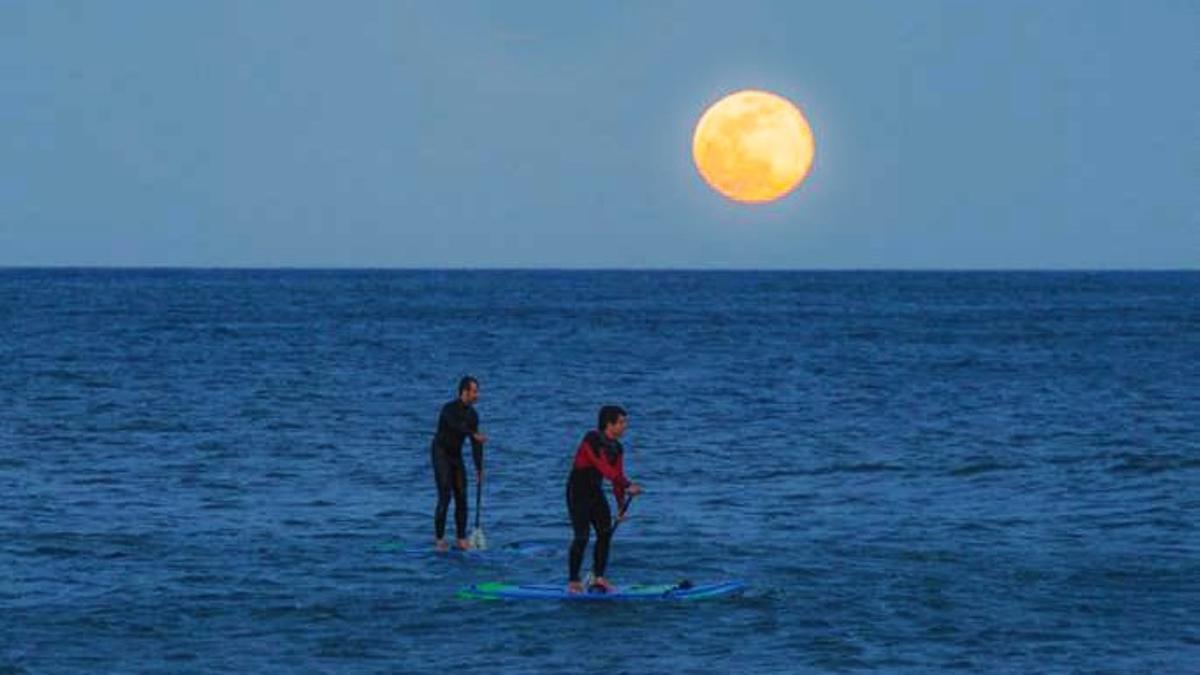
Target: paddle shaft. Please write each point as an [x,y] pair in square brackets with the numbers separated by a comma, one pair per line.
[478,498]
[617,520]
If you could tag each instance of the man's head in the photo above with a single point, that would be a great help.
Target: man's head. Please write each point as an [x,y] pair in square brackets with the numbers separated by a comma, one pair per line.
[468,390]
[612,421]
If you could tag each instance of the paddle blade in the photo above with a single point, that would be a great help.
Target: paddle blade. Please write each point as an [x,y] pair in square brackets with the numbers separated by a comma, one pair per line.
[478,541]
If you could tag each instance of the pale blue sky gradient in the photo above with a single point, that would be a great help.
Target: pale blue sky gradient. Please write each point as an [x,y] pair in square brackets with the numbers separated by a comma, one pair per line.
[950,135]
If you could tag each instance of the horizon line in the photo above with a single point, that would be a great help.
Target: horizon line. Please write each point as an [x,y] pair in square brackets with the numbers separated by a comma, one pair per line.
[467,268]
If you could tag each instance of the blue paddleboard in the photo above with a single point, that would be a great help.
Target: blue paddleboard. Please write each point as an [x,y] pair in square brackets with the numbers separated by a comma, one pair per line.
[680,591]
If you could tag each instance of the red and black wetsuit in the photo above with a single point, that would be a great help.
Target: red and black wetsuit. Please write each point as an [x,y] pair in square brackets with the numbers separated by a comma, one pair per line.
[597,458]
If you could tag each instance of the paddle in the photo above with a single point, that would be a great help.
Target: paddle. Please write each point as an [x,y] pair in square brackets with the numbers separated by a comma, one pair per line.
[478,541]
[617,520]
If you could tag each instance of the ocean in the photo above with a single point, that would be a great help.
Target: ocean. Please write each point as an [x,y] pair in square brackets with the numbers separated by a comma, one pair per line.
[224,470]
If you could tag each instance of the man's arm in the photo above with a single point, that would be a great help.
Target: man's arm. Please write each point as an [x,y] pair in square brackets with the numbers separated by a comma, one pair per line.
[620,485]
[477,441]
[613,471]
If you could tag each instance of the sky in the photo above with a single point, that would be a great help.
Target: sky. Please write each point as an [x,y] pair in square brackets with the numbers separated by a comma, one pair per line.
[949,135]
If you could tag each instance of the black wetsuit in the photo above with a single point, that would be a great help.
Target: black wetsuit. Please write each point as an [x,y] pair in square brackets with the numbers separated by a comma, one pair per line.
[597,458]
[457,422]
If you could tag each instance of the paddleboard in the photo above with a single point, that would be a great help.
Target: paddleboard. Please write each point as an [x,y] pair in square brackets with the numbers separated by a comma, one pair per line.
[683,590]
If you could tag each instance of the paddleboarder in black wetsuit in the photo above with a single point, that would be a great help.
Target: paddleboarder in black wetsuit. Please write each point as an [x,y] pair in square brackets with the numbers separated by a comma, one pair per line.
[457,422]
[599,456]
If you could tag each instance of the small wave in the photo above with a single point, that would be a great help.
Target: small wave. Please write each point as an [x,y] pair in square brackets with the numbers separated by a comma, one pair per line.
[986,466]
[934,555]
[53,551]
[155,425]
[72,376]
[96,480]
[862,467]
[1148,464]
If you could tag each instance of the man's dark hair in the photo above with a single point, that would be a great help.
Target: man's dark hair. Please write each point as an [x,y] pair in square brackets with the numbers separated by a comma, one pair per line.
[465,384]
[609,414]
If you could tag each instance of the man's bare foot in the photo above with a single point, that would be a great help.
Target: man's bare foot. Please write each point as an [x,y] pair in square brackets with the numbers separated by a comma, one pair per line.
[440,546]
[574,586]
[463,544]
[603,585]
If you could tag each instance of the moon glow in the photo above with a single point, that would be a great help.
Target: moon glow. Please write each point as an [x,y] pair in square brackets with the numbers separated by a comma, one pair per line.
[753,146]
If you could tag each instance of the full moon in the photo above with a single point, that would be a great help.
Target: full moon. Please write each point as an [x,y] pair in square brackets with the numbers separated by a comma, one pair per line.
[753,146]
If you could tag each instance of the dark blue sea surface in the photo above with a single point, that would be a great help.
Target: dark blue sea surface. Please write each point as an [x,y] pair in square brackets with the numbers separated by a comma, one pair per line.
[220,471]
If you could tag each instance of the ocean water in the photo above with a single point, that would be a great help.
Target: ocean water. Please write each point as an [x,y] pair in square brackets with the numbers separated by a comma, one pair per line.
[221,471]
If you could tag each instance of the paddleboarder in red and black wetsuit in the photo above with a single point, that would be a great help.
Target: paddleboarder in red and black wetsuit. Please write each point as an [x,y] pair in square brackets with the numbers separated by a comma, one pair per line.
[599,456]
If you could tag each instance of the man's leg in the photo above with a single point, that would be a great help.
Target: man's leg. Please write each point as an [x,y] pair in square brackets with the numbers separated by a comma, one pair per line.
[602,521]
[441,476]
[460,505]
[581,529]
